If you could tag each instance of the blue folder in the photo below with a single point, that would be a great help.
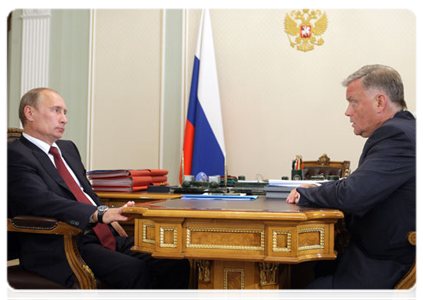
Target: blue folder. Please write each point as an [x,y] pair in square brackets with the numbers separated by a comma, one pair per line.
[219,197]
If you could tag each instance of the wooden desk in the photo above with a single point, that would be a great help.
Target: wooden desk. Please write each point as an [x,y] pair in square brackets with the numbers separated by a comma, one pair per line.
[236,244]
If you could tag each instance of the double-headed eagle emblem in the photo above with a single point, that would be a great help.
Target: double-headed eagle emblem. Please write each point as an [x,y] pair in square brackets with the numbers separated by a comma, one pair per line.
[305,27]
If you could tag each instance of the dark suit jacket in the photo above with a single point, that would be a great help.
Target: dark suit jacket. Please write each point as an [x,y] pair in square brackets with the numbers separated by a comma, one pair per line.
[379,201]
[36,188]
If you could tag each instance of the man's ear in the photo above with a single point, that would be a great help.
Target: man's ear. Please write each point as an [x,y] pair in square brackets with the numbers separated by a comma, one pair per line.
[28,111]
[382,102]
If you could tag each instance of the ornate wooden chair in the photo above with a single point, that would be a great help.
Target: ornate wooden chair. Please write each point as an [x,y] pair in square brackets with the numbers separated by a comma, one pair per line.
[303,273]
[22,284]
[403,289]
[13,134]
[324,166]
[17,276]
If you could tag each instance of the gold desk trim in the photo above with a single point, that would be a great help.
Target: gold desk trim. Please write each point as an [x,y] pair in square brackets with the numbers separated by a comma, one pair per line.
[144,233]
[226,271]
[175,237]
[224,247]
[288,247]
[268,273]
[203,270]
[321,245]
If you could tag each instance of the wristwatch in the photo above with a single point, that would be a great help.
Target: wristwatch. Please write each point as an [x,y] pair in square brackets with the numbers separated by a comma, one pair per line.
[101,211]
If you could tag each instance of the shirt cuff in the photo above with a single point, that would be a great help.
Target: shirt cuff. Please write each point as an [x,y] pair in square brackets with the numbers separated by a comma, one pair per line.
[92,219]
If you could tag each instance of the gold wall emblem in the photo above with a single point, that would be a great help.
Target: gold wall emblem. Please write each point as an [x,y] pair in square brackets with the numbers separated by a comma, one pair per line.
[304,28]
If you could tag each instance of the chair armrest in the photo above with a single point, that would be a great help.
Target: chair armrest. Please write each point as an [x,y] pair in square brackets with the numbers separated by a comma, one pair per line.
[404,288]
[411,238]
[43,225]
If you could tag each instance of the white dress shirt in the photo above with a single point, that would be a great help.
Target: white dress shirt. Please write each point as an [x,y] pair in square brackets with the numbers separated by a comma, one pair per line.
[46,148]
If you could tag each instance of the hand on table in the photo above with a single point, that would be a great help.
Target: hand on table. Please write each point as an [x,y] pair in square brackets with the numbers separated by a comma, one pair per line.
[116,214]
[294,196]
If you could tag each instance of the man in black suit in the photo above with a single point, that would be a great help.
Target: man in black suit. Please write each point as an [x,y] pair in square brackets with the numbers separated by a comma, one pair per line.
[37,186]
[379,198]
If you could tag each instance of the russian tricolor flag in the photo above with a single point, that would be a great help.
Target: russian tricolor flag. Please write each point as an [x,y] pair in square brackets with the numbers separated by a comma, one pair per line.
[204,144]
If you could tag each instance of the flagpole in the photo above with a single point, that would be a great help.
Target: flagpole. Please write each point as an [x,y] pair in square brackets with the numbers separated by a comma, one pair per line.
[226,175]
[182,163]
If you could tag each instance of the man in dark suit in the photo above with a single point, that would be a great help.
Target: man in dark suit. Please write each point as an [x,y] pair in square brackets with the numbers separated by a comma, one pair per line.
[379,198]
[47,178]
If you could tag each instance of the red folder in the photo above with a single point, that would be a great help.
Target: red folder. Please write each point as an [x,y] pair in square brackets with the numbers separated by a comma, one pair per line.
[156,179]
[128,180]
[122,181]
[117,173]
[158,172]
[125,172]
[118,188]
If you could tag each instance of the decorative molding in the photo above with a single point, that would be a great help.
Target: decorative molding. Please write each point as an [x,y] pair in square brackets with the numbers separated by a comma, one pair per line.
[175,237]
[35,49]
[203,270]
[36,13]
[268,273]
[91,90]
[224,230]
[275,247]
[321,244]
[144,233]
[226,272]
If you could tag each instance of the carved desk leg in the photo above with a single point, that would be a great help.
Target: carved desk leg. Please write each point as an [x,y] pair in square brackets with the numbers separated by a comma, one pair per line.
[220,274]
[204,274]
[268,273]
[203,270]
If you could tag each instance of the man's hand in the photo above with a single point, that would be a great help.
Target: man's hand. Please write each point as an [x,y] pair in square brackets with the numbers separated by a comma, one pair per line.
[114,214]
[294,196]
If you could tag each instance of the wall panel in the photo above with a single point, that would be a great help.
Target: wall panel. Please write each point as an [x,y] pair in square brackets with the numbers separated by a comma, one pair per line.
[126,103]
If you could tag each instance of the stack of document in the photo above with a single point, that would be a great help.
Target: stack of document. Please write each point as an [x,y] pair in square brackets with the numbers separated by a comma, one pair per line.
[276,191]
[126,180]
[282,188]
[293,183]
[251,187]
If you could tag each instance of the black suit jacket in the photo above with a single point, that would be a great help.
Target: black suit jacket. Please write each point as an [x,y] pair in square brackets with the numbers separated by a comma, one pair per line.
[379,201]
[36,188]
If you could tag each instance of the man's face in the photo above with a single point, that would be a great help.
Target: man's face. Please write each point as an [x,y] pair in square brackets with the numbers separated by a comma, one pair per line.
[47,122]
[362,109]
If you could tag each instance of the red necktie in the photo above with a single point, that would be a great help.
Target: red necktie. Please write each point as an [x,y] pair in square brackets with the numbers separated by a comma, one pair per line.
[102,231]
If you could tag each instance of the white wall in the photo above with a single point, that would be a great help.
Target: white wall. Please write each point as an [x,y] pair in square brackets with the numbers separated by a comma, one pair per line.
[278,102]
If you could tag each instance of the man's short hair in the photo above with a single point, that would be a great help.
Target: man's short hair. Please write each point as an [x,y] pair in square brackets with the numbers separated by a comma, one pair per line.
[31,98]
[383,78]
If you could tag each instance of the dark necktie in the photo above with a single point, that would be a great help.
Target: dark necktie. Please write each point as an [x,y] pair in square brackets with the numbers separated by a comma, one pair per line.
[102,231]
